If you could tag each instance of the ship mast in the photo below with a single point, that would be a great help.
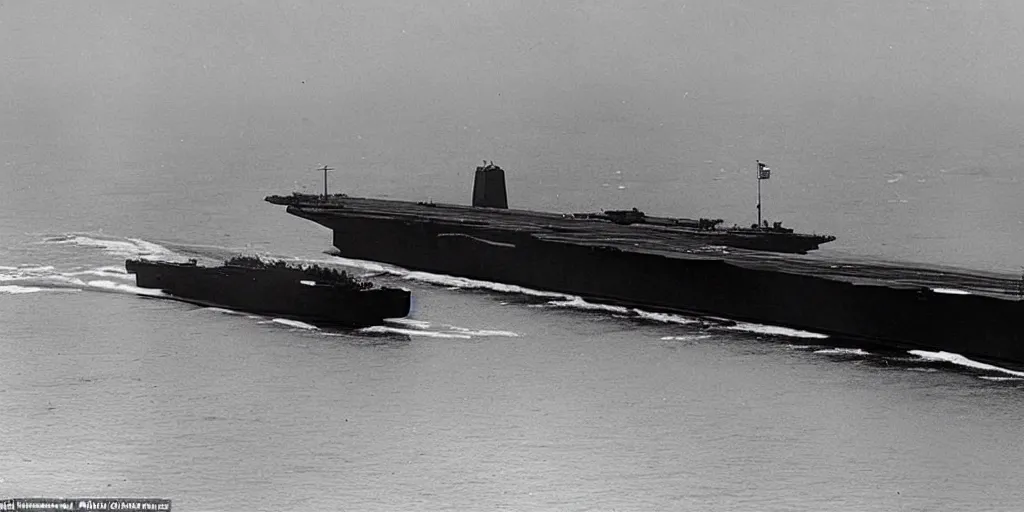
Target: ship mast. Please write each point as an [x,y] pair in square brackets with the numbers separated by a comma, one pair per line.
[325,169]
[763,173]
[759,194]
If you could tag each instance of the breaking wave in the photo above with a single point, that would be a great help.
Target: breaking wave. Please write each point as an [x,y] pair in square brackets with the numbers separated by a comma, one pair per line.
[123,247]
[14,289]
[412,327]
[443,280]
[125,288]
[461,282]
[579,303]
[688,337]
[483,332]
[950,291]
[419,324]
[774,330]
[843,352]
[923,357]
[223,310]
[406,326]
[36,278]
[294,323]
[668,318]
[959,360]
[108,271]
[46,278]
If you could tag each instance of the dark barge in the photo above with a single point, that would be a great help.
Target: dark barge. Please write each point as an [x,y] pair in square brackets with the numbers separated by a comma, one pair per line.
[659,266]
[314,294]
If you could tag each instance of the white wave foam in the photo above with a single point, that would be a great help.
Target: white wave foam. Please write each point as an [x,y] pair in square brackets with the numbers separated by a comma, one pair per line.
[951,291]
[805,347]
[371,266]
[441,279]
[486,332]
[843,352]
[418,324]
[383,329]
[20,273]
[44,278]
[294,323]
[46,275]
[667,318]
[36,268]
[113,269]
[958,359]
[461,282]
[483,332]
[688,337]
[225,311]
[774,330]
[579,303]
[422,325]
[127,248]
[63,281]
[121,287]
[14,289]
[1001,379]
[101,272]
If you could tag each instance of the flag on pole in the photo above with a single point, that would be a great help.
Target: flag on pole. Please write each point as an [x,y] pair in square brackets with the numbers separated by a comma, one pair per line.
[763,172]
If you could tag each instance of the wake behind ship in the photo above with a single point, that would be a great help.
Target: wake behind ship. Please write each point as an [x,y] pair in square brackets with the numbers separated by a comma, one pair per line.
[625,257]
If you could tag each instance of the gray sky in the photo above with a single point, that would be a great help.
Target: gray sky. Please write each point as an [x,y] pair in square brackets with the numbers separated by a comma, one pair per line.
[872,113]
[156,51]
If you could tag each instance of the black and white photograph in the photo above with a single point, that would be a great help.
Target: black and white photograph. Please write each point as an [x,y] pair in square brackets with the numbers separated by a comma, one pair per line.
[475,255]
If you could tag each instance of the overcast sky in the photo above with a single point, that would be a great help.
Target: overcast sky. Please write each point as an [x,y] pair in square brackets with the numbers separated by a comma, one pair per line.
[165,51]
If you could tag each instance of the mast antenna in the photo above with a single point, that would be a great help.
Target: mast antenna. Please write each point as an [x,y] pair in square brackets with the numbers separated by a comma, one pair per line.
[325,169]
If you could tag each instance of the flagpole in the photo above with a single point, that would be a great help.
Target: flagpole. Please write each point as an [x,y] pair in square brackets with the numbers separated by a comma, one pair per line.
[757,174]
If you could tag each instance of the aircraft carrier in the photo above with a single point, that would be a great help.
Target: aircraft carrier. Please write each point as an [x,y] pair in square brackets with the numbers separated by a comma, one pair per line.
[757,274]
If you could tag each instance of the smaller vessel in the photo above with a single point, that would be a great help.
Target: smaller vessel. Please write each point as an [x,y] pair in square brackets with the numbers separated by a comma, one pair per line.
[311,293]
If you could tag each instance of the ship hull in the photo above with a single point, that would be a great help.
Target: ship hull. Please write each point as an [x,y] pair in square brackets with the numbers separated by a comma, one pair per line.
[978,326]
[272,293]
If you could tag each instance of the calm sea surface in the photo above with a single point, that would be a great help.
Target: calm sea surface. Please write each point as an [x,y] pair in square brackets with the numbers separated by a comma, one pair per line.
[488,398]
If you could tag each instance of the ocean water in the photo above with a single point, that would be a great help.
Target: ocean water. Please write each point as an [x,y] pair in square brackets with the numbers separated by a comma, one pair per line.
[486,397]
[147,131]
